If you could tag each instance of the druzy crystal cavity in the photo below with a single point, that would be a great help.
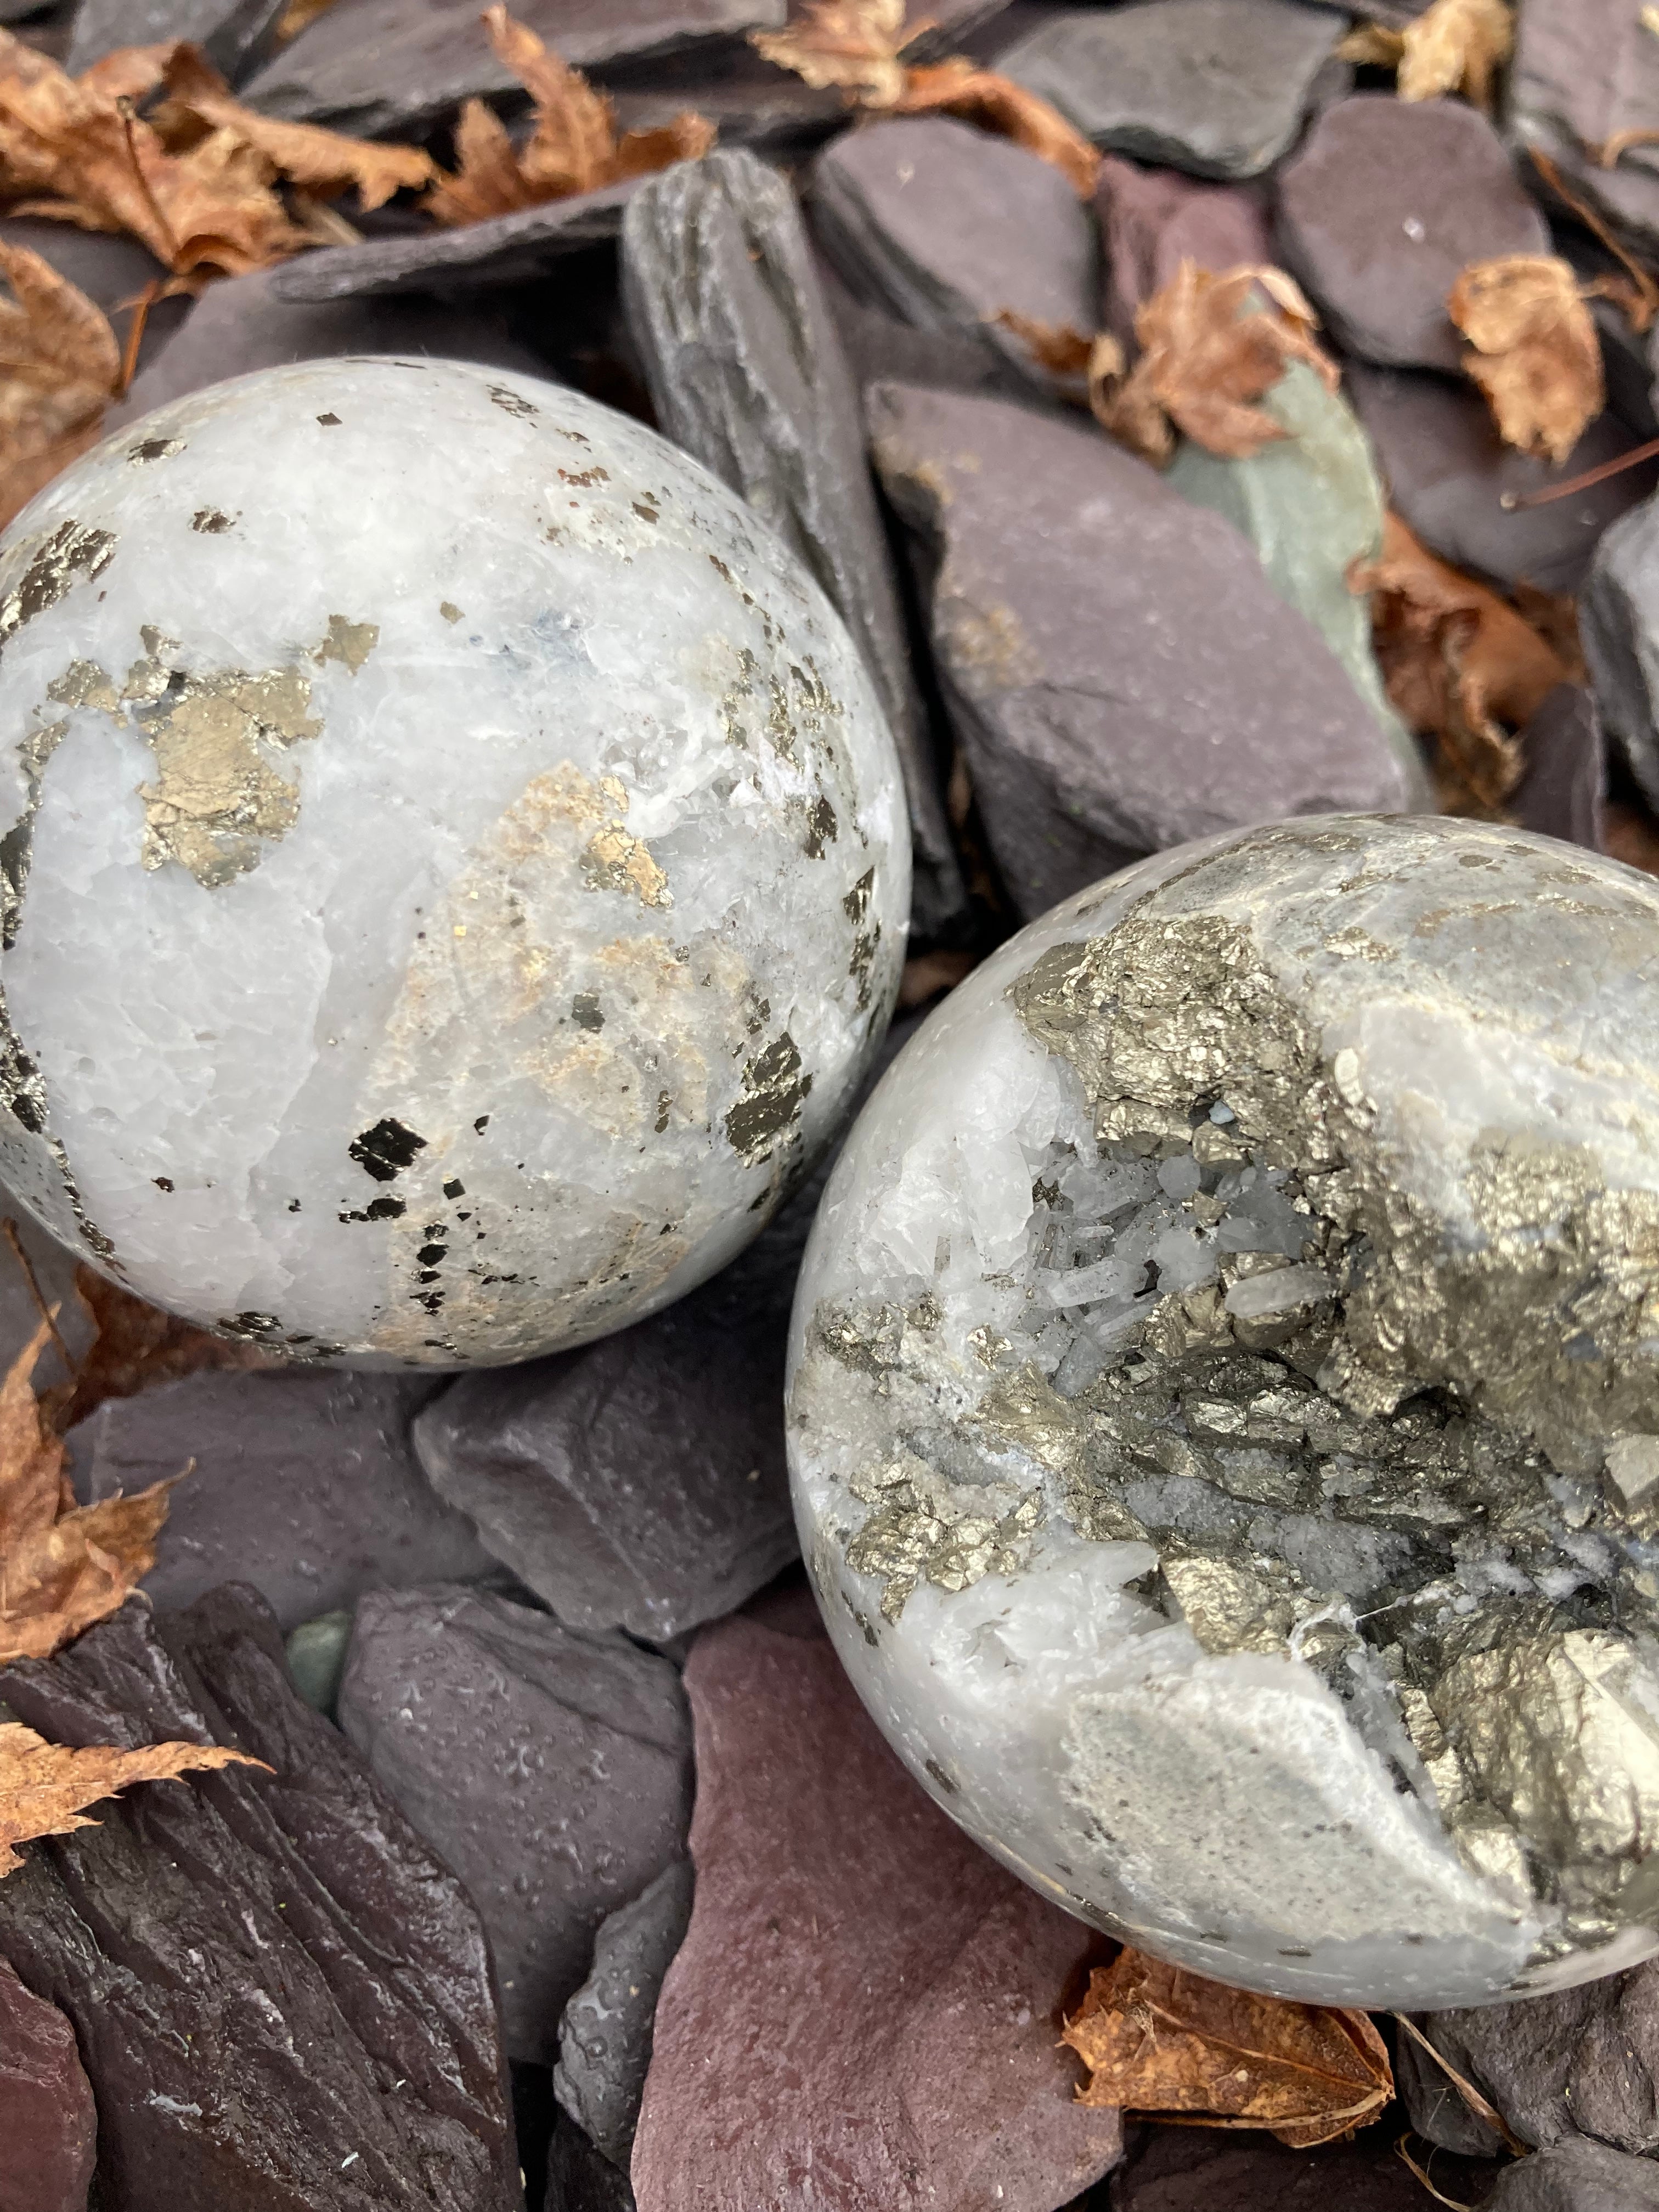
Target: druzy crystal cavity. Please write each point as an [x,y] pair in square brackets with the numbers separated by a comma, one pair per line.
[454,864]
[1224,1409]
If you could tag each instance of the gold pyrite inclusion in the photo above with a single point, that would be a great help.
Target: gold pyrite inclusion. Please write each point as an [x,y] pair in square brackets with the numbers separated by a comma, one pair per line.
[1226,1409]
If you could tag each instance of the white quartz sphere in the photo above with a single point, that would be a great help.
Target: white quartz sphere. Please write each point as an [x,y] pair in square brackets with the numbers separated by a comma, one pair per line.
[455,866]
[1224,1410]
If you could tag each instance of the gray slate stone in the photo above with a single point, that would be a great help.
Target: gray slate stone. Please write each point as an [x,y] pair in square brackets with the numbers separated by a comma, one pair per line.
[747,373]
[1384,204]
[1619,623]
[233,32]
[881,348]
[1561,794]
[1579,2062]
[605,2036]
[550,1769]
[1583,71]
[1218,88]
[1120,675]
[385,68]
[1577,2176]
[304,1485]
[581,2178]
[944,226]
[1448,473]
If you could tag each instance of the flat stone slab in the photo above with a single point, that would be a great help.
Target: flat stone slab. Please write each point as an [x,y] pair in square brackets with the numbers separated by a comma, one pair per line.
[1619,623]
[233,32]
[1384,205]
[1218,88]
[1583,71]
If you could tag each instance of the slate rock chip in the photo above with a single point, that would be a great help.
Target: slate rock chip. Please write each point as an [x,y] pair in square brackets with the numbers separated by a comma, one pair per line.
[1562,791]
[304,1485]
[550,1768]
[1120,675]
[281,1999]
[1577,2176]
[233,32]
[1449,473]
[48,2123]
[1218,88]
[1384,204]
[1153,220]
[1619,623]
[604,2035]
[581,2178]
[1195,2170]
[864,2010]
[945,227]
[391,67]
[746,372]
[1583,72]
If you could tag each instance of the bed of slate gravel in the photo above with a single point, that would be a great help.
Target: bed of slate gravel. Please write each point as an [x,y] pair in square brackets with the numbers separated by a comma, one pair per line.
[531,1644]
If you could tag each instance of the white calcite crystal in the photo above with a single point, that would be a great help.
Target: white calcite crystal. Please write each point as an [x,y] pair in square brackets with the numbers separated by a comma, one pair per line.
[1224,1409]
[454,864]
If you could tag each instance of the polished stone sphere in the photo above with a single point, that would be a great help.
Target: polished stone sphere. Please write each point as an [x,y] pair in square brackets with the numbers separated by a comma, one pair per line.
[1224,1409]
[455,867]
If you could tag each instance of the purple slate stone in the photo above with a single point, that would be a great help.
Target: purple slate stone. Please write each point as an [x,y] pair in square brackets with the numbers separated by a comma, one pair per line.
[1153,220]
[1561,794]
[1585,71]
[1384,204]
[47,2121]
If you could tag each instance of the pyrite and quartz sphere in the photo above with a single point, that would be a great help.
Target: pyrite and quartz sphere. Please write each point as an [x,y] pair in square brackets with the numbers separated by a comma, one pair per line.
[455,868]
[1224,1409]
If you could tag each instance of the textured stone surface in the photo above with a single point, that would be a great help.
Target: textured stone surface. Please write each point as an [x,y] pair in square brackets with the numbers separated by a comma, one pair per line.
[1618,622]
[47,2118]
[316,1654]
[1120,673]
[1312,506]
[1560,793]
[1449,473]
[881,347]
[863,2011]
[552,1770]
[582,2179]
[1222,1409]
[385,68]
[747,374]
[1153,220]
[304,1485]
[604,2035]
[559,820]
[1382,208]
[1193,2170]
[281,1998]
[1577,2176]
[945,227]
[231,31]
[1583,71]
[1216,87]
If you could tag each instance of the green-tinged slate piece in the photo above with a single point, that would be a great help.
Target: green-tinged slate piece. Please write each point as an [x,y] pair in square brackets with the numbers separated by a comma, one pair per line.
[316,1659]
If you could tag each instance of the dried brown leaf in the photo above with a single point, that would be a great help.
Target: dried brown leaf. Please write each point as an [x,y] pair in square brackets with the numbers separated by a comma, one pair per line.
[44,1786]
[1455,45]
[852,45]
[1460,666]
[59,367]
[135,1347]
[1535,351]
[573,148]
[1159,2040]
[1372,45]
[299,16]
[998,105]
[1058,348]
[1206,354]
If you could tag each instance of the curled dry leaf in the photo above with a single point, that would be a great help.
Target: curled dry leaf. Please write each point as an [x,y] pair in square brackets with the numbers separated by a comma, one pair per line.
[43,1787]
[1461,667]
[59,367]
[858,46]
[1207,352]
[1454,45]
[1159,2040]
[63,1566]
[573,148]
[135,1347]
[1056,348]
[1535,351]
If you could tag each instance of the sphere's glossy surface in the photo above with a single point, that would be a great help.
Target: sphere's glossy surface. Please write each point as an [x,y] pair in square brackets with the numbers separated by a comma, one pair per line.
[1224,1409]
[455,867]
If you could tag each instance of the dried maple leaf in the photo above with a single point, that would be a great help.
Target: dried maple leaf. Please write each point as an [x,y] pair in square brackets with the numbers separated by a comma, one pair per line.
[44,1786]
[1535,352]
[63,1566]
[573,148]
[299,16]
[59,367]
[1159,2040]
[1206,354]
[136,1346]
[1459,664]
[858,46]
[1454,45]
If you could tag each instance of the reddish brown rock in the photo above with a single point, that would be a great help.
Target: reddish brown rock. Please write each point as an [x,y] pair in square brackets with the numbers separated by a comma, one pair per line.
[864,2011]
[1153,220]
[47,2123]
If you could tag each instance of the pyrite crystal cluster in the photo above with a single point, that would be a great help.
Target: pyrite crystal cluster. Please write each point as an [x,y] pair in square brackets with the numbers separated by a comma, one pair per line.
[1224,1409]
[454,866]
